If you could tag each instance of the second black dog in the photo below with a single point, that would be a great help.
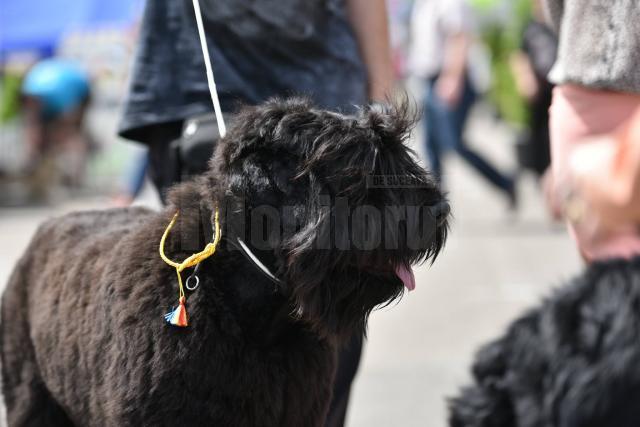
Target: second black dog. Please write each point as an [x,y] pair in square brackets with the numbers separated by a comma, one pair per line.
[572,362]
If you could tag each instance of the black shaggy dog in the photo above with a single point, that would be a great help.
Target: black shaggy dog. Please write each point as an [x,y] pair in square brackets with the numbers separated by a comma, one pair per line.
[572,362]
[332,205]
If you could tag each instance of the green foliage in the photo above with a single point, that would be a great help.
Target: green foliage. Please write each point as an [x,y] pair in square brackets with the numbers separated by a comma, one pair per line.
[9,96]
[503,39]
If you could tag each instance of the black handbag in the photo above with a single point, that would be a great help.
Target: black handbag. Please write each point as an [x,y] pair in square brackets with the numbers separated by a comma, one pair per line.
[195,147]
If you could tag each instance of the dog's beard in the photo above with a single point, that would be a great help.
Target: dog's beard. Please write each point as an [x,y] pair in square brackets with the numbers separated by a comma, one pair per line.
[338,288]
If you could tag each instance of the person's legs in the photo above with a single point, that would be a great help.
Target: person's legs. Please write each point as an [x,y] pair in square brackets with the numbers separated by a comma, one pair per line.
[433,146]
[486,169]
[163,163]
[348,361]
[459,119]
[71,145]
[539,125]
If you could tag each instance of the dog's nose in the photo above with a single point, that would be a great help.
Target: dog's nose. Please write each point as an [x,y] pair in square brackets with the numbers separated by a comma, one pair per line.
[440,212]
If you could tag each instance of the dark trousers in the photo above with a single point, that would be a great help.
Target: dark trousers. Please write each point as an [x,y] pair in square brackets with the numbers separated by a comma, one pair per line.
[163,166]
[164,171]
[444,131]
[348,362]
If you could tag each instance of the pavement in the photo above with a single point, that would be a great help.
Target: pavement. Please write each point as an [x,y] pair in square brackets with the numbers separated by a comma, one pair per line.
[418,351]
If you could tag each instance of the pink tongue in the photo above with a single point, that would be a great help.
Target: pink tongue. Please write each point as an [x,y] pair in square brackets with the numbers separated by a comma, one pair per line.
[406,275]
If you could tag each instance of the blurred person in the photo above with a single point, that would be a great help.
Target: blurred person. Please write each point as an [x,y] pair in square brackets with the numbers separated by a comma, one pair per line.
[531,65]
[597,93]
[442,34]
[133,181]
[335,52]
[399,17]
[56,94]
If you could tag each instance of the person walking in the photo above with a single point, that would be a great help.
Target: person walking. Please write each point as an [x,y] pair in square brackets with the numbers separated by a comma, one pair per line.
[441,36]
[531,65]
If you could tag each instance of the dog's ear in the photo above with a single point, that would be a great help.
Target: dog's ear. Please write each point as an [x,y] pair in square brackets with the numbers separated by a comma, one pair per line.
[256,157]
[342,152]
[271,125]
[392,123]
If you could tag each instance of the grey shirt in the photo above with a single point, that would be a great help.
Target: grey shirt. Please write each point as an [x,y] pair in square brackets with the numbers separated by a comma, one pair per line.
[599,43]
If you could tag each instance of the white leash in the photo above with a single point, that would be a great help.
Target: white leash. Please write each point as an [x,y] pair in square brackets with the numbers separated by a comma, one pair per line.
[222,129]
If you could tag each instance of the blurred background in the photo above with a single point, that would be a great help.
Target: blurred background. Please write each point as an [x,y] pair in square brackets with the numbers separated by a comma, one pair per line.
[503,253]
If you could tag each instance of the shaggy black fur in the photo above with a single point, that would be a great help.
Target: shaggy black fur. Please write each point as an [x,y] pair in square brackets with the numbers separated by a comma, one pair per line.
[572,362]
[84,341]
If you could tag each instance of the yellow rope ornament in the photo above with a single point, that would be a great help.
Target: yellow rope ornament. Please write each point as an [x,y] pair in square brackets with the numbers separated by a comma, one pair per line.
[178,316]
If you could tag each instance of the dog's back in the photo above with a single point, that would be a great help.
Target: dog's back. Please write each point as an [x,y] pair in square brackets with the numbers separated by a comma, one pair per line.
[84,341]
[40,303]
[574,361]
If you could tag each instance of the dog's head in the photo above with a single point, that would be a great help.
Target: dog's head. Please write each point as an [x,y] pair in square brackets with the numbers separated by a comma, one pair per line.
[337,204]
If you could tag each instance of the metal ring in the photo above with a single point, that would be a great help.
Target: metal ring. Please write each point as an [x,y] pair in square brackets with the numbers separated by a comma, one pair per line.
[195,286]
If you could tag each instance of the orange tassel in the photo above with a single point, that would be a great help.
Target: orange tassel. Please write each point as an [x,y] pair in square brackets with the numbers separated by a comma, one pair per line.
[178,316]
